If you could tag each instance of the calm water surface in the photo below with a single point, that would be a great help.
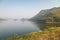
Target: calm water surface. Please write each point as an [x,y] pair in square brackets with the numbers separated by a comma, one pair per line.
[9,28]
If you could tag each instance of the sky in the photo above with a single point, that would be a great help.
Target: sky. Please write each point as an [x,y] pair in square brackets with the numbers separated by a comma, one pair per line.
[25,8]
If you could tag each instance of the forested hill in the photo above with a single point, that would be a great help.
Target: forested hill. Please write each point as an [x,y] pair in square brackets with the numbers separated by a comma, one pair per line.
[46,14]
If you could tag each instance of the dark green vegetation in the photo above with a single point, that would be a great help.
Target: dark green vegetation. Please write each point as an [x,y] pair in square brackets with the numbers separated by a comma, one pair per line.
[51,20]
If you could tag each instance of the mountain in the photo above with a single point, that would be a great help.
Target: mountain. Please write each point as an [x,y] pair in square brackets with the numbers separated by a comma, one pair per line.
[47,14]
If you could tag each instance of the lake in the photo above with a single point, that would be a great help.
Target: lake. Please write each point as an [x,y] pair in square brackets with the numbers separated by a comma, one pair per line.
[11,27]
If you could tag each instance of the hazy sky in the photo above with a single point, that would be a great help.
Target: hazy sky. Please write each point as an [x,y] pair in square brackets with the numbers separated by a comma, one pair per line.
[25,8]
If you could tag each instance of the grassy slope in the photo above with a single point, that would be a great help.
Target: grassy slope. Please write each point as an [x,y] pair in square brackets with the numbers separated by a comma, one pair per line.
[56,11]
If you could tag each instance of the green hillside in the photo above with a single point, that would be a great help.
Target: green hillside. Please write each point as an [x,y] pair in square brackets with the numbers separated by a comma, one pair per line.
[56,11]
[47,14]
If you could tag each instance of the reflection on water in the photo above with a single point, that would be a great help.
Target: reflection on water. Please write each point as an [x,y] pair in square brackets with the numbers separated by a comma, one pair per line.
[41,26]
[9,28]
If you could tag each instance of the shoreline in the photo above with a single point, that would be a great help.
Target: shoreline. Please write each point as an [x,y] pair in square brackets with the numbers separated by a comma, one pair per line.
[39,35]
